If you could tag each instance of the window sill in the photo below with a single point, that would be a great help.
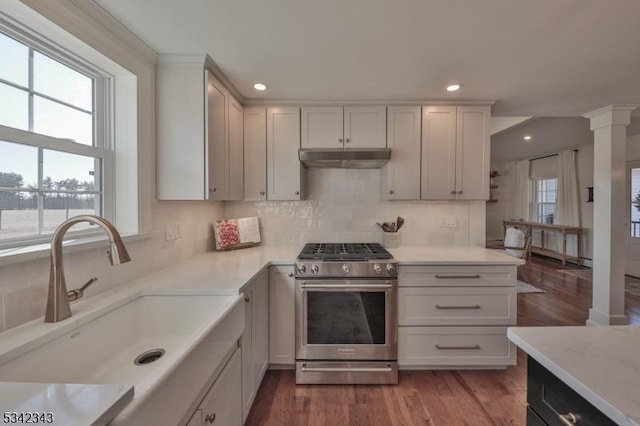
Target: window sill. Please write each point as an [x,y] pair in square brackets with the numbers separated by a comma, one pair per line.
[40,251]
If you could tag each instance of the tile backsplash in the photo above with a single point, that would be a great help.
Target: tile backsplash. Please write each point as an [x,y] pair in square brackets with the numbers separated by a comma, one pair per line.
[344,206]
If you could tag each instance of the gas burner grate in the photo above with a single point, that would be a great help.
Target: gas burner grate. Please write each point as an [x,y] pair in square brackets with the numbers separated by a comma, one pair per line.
[344,251]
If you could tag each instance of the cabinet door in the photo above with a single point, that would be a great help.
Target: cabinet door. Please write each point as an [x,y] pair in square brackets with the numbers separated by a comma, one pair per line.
[260,328]
[181,131]
[472,152]
[365,127]
[223,404]
[248,388]
[438,153]
[236,150]
[402,174]
[284,171]
[217,140]
[281,315]
[322,127]
[255,154]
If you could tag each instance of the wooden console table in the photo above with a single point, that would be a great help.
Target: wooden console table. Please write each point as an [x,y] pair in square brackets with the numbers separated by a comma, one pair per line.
[528,227]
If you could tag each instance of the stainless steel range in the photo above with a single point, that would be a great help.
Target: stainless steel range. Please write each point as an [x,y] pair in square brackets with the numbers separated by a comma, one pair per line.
[346,314]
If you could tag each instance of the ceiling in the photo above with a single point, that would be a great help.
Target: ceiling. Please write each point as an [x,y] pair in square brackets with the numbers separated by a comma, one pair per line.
[548,135]
[535,58]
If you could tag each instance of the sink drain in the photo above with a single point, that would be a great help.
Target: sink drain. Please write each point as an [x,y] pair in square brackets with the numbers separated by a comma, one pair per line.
[149,356]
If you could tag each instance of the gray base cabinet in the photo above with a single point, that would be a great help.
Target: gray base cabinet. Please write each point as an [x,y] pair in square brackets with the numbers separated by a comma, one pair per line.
[456,316]
[255,339]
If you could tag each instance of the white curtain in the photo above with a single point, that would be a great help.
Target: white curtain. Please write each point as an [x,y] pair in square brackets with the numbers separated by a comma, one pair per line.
[567,202]
[522,196]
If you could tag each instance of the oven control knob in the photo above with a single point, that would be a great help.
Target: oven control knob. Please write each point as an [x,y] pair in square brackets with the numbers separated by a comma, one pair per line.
[301,268]
[314,269]
[377,268]
[391,269]
[346,268]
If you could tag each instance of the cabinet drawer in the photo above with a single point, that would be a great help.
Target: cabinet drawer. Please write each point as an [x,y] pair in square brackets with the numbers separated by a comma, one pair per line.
[457,305]
[455,346]
[549,397]
[457,276]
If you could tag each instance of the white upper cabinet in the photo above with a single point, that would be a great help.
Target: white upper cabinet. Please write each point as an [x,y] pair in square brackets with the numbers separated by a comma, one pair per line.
[322,127]
[473,152]
[236,150]
[401,178]
[285,174]
[365,127]
[348,127]
[200,133]
[255,154]
[455,153]
[217,134]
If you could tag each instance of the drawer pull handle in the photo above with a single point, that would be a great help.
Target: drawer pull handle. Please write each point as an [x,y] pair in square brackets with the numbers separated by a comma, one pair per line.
[476,346]
[457,306]
[210,418]
[569,419]
[458,276]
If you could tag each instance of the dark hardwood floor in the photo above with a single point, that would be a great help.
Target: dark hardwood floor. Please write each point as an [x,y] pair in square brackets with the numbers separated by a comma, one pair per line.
[437,397]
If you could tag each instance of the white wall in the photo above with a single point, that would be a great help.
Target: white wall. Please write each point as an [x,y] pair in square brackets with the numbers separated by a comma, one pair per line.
[23,285]
[344,206]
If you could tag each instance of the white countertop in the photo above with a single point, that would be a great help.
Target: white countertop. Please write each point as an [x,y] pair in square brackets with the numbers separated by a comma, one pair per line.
[602,364]
[68,404]
[452,255]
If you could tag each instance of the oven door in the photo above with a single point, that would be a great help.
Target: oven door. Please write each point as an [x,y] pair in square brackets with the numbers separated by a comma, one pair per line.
[346,319]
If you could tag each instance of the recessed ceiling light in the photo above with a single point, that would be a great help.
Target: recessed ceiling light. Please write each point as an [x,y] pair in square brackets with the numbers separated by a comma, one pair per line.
[454,87]
[259,86]
[527,138]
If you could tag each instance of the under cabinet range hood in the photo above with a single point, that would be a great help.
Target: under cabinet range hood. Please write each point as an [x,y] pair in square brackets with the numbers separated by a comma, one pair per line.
[349,158]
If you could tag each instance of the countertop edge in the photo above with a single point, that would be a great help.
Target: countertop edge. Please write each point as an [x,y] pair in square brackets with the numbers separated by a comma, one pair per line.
[601,404]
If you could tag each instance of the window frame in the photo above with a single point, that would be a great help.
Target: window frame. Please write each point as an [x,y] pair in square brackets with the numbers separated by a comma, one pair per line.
[537,203]
[103,146]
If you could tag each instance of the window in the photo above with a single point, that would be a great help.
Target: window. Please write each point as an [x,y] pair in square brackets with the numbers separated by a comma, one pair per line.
[635,202]
[545,202]
[55,160]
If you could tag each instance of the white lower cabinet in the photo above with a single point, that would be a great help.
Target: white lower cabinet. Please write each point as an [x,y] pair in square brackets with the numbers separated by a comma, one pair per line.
[281,315]
[255,339]
[222,405]
[454,346]
[456,316]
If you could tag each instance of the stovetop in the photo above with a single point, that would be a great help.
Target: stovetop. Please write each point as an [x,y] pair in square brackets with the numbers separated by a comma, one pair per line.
[340,251]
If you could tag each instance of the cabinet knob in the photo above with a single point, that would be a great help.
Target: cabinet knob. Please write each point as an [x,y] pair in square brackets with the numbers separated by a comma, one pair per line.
[459,192]
[210,418]
[297,192]
[347,140]
[391,191]
[261,192]
[290,274]
[212,189]
[247,299]
[452,192]
[340,140]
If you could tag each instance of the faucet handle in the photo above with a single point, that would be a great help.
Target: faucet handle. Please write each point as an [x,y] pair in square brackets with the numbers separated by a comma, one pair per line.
[79,292]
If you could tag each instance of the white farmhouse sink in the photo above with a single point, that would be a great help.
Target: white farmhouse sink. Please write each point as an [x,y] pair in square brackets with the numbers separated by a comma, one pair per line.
[102,349]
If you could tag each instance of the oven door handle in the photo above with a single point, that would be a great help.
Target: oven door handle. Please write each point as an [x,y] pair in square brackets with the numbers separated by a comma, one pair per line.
[347,286]
[305,369]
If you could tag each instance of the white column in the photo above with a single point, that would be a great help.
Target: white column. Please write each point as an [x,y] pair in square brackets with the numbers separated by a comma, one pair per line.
[609,125]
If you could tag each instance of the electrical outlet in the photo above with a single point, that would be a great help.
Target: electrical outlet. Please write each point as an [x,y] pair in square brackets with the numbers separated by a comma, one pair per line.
[172,231]
[448,222]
